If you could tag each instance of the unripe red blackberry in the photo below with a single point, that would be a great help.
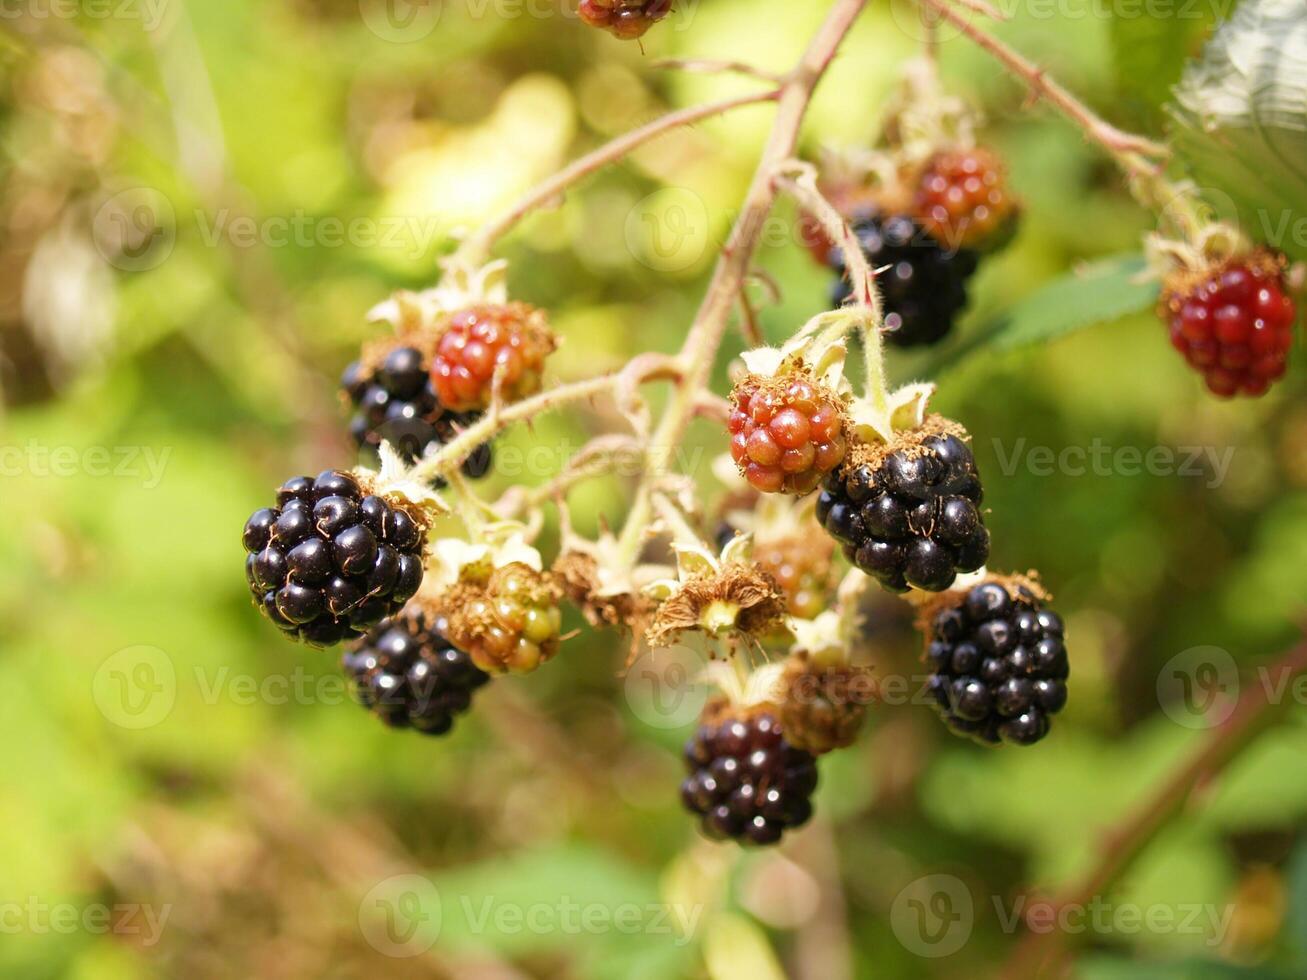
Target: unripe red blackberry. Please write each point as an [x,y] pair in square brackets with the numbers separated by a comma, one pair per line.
[625,19]
[787,432]
[407,674]
[746,782]
[509,340]
[924,282]
[962,199]
[1000,662]
[908,514]
[331,560]
[1233,322]
[507,619]
[396,402]
[802,569]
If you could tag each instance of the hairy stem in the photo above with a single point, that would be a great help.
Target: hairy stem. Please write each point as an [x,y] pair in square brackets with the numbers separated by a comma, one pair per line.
[700,348]
[475,250]
[1129,150]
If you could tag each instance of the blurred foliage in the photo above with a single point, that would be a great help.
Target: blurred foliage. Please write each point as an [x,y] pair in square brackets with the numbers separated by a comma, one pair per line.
[199,203]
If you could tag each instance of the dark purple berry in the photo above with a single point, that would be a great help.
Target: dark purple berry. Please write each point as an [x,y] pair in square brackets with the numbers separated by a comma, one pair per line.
[924,284]
[317,566]
[913,522]
[407,674]
[1003,670]
[746,782]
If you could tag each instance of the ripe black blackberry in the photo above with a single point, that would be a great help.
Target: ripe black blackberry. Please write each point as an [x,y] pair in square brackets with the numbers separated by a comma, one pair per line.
[408,675]
[911,517]
[330,561]
[924,286]
[397,403]
[746,782]
[1000,663]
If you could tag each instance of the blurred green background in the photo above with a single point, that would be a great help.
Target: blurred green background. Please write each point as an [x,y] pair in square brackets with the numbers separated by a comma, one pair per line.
[200,202]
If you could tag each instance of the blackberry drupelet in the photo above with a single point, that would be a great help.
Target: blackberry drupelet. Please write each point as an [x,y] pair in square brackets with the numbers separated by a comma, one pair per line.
[912,519]
[1000,664]
[397,403]
[925,285]
[329,562]
[746,782]
[962,199]
[407,674]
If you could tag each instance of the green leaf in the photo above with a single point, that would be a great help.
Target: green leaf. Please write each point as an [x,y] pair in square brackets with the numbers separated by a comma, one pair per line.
[1240,121]
[1149,52]
[1095,293]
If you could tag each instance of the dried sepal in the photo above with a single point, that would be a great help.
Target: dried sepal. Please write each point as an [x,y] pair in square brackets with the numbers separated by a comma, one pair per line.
[716,596]
[460,287]
[394,481]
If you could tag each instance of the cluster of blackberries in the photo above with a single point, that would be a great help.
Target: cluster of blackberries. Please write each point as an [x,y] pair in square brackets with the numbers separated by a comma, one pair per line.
[924,282]
[407,674]
[397,403]
[1000,665]
[914,520]
[328,562]
[746,782]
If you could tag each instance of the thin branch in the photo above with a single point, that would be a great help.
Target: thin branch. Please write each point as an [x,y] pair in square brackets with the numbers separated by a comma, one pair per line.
[750,328]
[453,453]
[801,184]
[1128,149]
[700,348]
[599,457]
[717,66]
[476,248]
[1256,710]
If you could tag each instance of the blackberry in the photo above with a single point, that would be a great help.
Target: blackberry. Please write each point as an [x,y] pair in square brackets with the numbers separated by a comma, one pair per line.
[1000,664]
[397,403]
[746,782]
[408,675]
[1233,323]
[924,286]
[786,434]
[962,199]
[330,561]
[912,518]
[483,345]
[624,19]
[507,618]
[823,707]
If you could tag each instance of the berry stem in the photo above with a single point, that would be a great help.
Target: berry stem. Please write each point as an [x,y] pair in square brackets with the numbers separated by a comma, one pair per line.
[1131,152]
[700,348]
[799,180]
[476,249]
[598,457]
[676,522]
[454,452]
[1258,708]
